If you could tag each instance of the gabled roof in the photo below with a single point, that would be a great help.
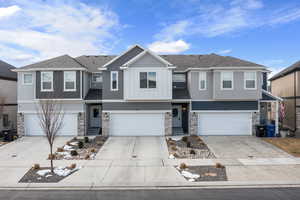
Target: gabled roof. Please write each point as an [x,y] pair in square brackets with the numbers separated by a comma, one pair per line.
[267,96]
[60,62]
[5,71]
[92,63]
[290,69]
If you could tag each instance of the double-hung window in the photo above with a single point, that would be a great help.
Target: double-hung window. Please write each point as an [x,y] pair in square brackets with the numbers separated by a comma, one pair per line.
[47,81]
[70,81]
[226,80]
[147,80]
[250,80]
[114,81]
[27,79]
[97,77]
[202,80]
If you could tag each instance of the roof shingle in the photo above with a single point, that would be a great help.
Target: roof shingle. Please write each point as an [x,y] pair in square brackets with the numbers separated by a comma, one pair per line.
[5,71]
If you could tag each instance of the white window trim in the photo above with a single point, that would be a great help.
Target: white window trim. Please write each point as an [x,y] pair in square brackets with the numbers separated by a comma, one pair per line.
[93,75]
[232,82]
[47,90]
[147,88]
[111,80]
[255,81]
[69,90]
[23,79]
[205,79]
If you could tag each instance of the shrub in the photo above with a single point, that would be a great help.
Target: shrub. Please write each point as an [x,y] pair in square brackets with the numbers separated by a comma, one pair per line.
[74,153]
[68,143]
[173,148]
[59,149]
[188,144]
[219,165]
[86,139]
[36,166]
[193,152]
[171,142]
[72,166]
[176,155]
[75,138]
[51,156]
[183,166]
[87,157]
[93,150]
[80,144]
[184,138]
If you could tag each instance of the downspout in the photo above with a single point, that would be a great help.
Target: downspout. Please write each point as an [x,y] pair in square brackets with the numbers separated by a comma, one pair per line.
[295,119]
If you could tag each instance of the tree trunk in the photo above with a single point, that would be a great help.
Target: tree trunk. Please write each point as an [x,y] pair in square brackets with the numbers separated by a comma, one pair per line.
[51,159]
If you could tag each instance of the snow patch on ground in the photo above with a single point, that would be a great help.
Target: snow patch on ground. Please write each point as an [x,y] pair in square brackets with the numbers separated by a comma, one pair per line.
[43,172]
[68,148]
[63,171]
[171,156]
[189,175]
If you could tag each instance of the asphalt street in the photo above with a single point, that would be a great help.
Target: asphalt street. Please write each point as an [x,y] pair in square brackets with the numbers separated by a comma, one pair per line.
[172,194]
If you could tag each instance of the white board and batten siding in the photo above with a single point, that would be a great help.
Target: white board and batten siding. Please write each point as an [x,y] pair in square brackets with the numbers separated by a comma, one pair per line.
[225,123]
[136,124]
[33,128]
[148,63]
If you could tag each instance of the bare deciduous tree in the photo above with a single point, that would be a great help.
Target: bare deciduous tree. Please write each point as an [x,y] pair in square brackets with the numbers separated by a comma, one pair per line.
[51,118]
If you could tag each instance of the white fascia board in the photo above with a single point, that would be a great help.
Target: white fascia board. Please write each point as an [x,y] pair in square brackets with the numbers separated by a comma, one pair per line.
[49,69]
[111,61]
[223,111]
[135,111]
[134,59]
[102,68]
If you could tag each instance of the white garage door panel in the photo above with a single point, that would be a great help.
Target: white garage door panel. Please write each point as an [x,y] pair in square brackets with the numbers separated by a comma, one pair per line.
[133,124]
[32,125]
[224,123]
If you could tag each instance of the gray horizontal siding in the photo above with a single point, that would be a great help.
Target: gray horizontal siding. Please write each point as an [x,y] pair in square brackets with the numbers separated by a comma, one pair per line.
[137,106]
[224,105]
[58,87]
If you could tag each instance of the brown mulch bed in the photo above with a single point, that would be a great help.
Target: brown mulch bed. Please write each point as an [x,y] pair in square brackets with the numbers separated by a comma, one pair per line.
[207,173]
[32,177]
[289,145]
[87,152]
[191,147]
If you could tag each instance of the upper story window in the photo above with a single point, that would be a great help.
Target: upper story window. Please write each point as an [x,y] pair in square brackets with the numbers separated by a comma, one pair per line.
[97,77]
[202,80]
[70,81]
[147,79]
[179,78]
[226,80]
[114,81]
[250,80]
[46,81]
[27,79]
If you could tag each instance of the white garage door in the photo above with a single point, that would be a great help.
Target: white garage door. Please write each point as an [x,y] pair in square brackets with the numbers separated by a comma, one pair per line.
[32,126]
[224,123]
[136,124]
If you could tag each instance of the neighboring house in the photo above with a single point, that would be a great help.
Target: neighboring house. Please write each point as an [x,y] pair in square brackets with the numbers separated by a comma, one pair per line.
[140,93]
[286,84]
[8,97]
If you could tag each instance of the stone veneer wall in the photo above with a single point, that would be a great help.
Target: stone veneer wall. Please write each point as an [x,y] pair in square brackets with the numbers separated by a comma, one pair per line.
[20,124]
[81,123]
[193,123]
[255,121]
[105,123]
[168,123]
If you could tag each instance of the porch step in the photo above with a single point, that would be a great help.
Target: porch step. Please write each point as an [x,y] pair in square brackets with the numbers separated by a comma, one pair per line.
[177,131]
[93,131]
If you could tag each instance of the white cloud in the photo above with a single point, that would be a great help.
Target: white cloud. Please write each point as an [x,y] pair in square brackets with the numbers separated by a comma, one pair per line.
[45,29]
[217,19]
[8,11]
[225,51]
[171,47]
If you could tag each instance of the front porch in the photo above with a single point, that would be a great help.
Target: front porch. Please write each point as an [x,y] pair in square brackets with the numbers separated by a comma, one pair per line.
[180,118]
[93,119]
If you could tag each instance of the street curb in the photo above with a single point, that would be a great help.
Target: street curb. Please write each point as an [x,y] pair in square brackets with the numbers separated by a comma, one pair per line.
[207,186]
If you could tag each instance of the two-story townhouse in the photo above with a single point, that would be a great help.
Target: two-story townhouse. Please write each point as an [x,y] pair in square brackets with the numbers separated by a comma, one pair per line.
[8,97]
[141,93]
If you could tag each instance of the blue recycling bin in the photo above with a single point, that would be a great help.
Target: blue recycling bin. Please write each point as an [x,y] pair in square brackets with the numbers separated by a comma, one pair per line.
[270,130]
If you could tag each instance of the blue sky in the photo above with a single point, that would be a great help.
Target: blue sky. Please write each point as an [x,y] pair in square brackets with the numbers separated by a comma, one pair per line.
[262,31]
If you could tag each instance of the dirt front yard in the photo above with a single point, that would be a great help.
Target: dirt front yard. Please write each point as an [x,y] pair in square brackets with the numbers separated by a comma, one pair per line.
[289,145]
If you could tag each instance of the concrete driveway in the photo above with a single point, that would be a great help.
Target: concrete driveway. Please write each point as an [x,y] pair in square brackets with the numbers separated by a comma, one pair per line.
[227,147]
[29,149]
[140,148]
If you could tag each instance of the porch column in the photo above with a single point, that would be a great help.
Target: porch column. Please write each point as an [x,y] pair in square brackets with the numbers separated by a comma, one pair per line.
[276,118]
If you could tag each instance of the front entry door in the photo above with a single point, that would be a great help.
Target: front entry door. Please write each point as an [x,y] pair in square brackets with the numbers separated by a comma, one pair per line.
[177,116]
[95,116]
